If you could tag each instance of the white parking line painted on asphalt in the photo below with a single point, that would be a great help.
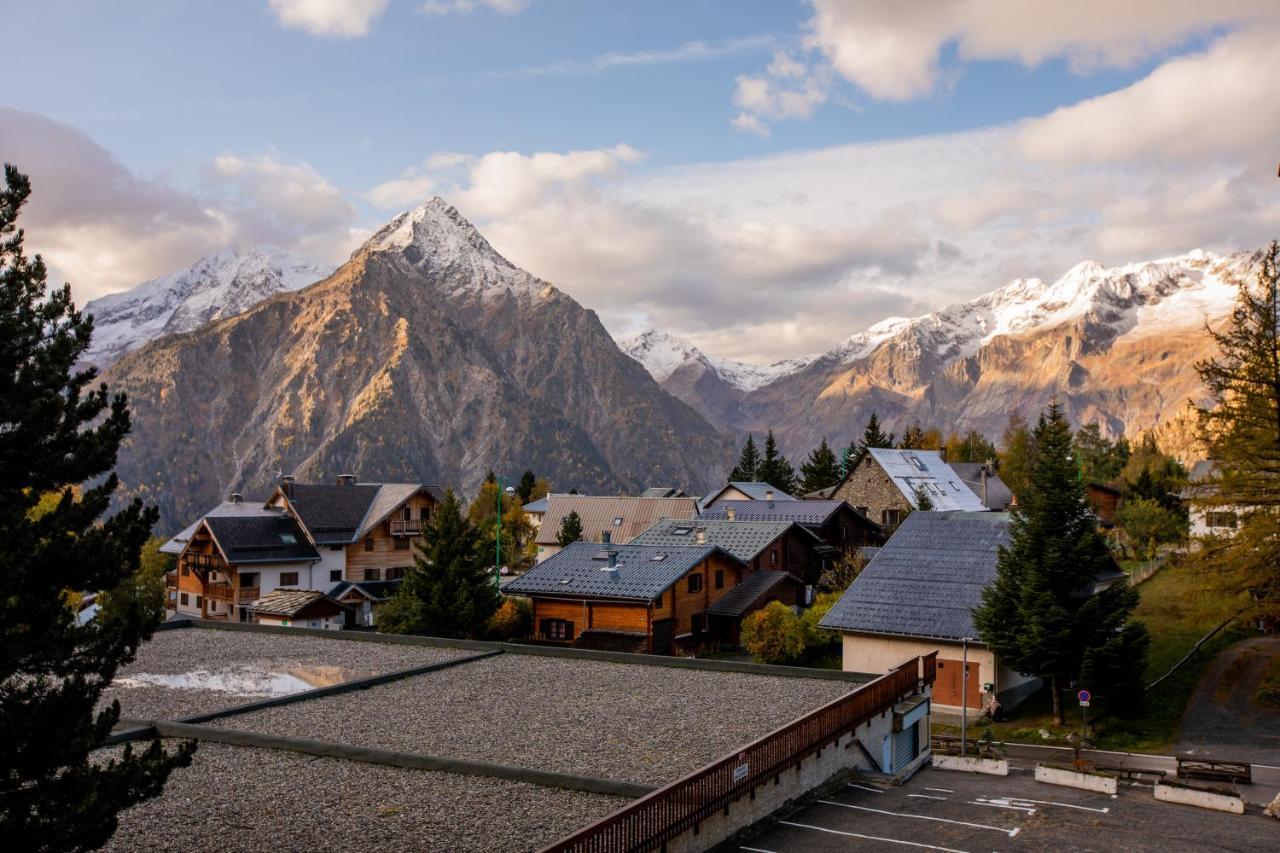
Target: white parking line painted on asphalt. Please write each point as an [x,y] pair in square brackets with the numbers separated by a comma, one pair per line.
[927,797]
[756,850]
[943,790]
[1002,806]
[871,837]
[864,788]
[1016,800]
[1009,832]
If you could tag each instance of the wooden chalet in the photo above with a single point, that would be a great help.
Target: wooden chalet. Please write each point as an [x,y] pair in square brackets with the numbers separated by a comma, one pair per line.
[782,546]
[839,526]
[635,598]
[607,519]
[300,608]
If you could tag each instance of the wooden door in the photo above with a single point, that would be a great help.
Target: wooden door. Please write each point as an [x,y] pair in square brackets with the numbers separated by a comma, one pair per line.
[950,682]
[663,629]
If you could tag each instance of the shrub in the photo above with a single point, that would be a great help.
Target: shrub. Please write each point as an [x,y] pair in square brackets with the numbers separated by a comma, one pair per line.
[513,619]
[815,637]
[774,634]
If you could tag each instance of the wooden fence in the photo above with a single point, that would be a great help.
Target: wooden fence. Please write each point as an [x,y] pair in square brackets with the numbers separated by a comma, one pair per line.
[651,821]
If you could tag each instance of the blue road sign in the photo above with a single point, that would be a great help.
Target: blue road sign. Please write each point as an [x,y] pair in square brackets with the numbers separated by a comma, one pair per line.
[1084,696]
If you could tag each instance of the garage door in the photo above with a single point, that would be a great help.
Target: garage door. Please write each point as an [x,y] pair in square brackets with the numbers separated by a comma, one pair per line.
[950,683]
[906,746]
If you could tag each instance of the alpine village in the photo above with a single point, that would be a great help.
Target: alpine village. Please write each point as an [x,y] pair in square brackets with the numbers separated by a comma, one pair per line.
[344,530]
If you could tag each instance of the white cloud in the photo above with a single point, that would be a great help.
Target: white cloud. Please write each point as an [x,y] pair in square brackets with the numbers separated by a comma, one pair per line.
[787,89]
[403,192]
[330,18]
[893,50]
[690,51]
[466,7]
[749,123]
[1220,102]
[505,182]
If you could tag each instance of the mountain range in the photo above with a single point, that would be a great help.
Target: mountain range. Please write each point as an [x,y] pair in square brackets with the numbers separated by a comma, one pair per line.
[222,284]
[1113,345]
[426,356]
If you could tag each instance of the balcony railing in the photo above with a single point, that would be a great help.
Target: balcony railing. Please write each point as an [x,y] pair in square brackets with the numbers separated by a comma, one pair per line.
[202,563]
[227,592]
[406,527]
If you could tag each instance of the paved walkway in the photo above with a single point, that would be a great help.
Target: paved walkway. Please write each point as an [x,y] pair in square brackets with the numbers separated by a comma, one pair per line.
[1223,719]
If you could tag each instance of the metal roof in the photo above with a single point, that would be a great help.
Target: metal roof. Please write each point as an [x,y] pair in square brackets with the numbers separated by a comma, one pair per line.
[998,496]
[927,579]
[742,539]
[275,538]
[372,590]
[540,505]
[926,470]
[740,600]
[226,508]
[753,491]
[640,572]
[808,513]
[623,517]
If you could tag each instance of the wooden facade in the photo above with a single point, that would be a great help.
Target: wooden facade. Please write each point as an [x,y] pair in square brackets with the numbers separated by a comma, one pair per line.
[679,614]
[213,587]
[387,549]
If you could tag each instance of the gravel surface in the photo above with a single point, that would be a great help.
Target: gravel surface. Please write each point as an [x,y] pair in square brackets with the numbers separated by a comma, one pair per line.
[634,723]
[257,799]
[243,659]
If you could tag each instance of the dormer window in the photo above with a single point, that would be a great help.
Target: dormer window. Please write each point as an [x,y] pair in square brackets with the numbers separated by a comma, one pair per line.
[617,521]
[288,539]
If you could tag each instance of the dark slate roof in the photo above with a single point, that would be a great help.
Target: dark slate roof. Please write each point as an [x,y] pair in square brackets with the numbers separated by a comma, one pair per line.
[742,539]
[260,539]
[808,513]
[926,580]
[332,513]
[738,601]
[374,590]
[229,507]
[581,568]
[999,497]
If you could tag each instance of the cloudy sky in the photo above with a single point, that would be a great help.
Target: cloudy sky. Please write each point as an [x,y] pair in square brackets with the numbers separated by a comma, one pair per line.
[763,177]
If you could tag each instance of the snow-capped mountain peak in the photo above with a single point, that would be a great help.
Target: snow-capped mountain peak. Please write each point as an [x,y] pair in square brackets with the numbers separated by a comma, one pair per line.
[662,354]
[221,284]
[434,236]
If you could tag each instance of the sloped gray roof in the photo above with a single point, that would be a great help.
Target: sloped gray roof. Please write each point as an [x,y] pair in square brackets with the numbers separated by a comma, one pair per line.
[808,513]
[332,513]
[738,601]
[742,539]
[261,539]
[291,602]
[581,568]
[927,470]
[540,505]
[241,508]
[753,491]
[621,517]
[927,579]
[999,496]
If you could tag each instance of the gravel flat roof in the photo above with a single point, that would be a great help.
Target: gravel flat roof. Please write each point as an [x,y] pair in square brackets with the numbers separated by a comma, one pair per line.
[628,722]
[248,666]
[234,798]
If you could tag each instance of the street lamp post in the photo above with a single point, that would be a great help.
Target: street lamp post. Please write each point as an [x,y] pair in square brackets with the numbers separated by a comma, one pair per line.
[964,695]
[497,538]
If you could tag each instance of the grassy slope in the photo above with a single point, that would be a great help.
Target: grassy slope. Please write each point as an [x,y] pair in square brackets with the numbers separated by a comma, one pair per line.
[1178,606]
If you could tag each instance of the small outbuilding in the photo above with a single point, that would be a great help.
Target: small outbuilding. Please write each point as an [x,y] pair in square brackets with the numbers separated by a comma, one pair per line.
[300,608]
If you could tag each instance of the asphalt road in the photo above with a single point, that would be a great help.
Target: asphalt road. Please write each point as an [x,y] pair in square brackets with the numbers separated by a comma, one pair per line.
[1223,718]
[965,813]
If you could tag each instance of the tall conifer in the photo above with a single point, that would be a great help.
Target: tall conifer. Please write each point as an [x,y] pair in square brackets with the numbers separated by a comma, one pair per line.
[747,469]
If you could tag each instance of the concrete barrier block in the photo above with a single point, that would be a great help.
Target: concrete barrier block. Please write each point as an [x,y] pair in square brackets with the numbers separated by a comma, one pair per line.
[1075,779]
[970,764]
[1201,799]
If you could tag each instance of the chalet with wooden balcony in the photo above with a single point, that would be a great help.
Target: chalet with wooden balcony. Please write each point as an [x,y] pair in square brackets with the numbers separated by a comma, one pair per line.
[229,562]
[635,598]
[362,536]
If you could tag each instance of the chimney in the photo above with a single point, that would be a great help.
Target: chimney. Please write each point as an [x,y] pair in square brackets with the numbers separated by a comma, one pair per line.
[730,512]
[286,484]
[700,537]
[768,495]
[983,474]
[613,559]
[234,498]
[606,537]
[346,479]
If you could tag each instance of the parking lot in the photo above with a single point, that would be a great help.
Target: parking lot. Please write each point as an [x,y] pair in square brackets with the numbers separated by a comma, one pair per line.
[966,813]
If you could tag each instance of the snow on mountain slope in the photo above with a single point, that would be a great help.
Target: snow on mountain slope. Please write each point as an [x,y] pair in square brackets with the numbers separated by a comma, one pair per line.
[663,354]
[1133,299]
[222,284]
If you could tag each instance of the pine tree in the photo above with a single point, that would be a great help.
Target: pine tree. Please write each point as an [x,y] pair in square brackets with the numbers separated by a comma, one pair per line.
[820,470]
[1241,429]
[57,432]
[450,590]
[872,436]
[973,446]
[923,502]
[774,468]
[570,529]
[1038,616]
[1017,446]
[525,490]
[748,466]
[912,438]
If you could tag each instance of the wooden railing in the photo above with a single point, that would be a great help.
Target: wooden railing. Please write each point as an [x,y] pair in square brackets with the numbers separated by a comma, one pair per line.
[651,821]
[200,563]
[403,527]
[227,592]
